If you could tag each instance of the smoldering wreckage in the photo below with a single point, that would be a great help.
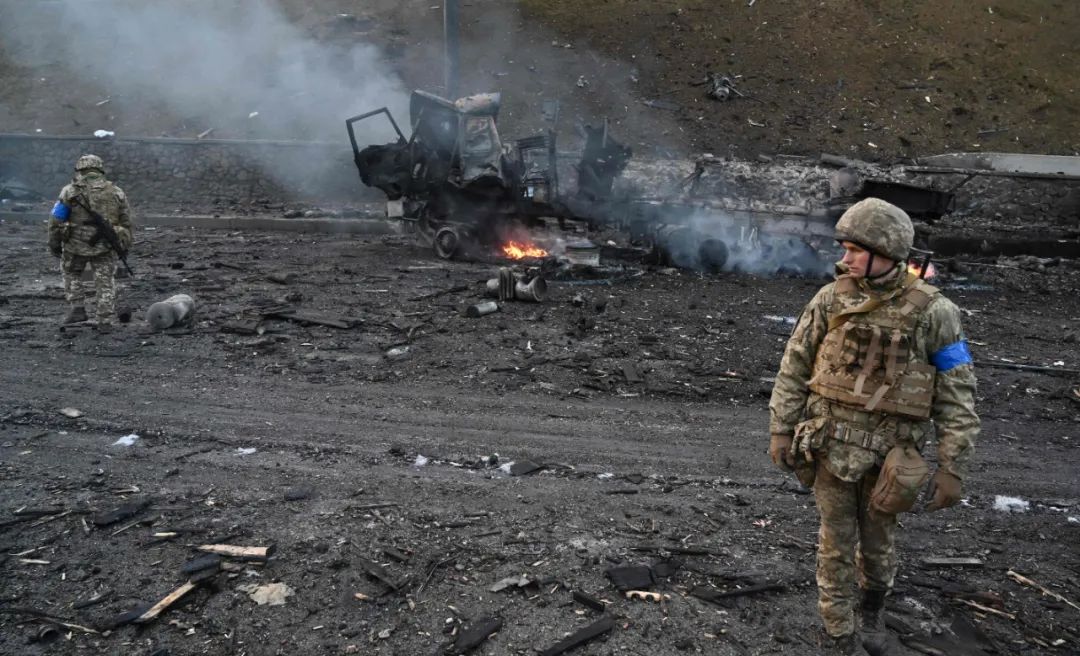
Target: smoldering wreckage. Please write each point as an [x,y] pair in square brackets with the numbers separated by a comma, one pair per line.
[438,560]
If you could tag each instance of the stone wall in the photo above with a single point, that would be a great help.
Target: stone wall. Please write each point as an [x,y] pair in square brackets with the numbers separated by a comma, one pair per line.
[186,172]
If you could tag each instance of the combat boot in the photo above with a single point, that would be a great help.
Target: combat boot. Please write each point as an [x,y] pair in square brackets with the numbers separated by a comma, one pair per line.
[75,315]
[849,645]
[873,610]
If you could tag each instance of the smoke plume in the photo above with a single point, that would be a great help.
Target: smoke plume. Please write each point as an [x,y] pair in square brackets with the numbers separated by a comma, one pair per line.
[239,66]
[717,242]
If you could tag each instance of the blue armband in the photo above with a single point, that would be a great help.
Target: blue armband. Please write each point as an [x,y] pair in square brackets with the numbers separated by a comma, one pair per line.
[951,356]
[61,212]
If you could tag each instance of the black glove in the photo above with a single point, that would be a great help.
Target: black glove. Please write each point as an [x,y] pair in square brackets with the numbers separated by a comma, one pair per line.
[56,249]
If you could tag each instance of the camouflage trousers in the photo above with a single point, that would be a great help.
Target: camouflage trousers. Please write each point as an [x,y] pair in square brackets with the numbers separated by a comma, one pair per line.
[104,270]
[855,545]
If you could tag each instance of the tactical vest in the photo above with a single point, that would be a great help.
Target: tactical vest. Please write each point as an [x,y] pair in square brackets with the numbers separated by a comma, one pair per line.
[866,361]
[101,195]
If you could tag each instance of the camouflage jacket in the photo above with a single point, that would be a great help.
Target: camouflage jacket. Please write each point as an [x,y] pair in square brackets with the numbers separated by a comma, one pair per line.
[937,331]
[76,230]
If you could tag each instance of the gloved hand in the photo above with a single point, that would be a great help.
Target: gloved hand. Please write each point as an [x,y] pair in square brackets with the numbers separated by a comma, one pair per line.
[56,248]
[943,491]
[780,452]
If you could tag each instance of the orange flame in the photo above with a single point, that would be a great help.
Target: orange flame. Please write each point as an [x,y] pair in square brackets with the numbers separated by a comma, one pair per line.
[931,271]
[516,250]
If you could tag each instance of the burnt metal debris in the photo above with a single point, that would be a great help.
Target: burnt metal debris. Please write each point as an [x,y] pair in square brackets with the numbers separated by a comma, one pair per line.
[463,190]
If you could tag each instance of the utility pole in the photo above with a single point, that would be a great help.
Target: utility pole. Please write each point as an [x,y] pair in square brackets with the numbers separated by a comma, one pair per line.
[451,42]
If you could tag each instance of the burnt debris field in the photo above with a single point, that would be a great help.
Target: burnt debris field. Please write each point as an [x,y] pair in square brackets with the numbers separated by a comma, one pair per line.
[408,477]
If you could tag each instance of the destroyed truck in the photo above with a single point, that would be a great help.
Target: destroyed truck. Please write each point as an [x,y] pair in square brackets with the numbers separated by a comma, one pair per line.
[454,180]
[456,183]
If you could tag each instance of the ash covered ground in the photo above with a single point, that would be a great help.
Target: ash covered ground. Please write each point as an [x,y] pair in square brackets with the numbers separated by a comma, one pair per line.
[641,398]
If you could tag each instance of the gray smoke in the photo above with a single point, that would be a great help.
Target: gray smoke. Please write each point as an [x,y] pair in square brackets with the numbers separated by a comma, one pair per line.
[711,241]
[212,63]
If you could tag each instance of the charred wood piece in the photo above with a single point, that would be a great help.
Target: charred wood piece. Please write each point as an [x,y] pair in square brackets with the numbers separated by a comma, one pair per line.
[587,634]
[474,635]
[716,597]
[121,513]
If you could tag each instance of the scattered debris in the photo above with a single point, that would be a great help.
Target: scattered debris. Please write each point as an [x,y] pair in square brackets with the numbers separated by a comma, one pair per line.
[1020,578]
[662,104]
[509,286]
[717,597]
[299,493]
[589,601]
[121,513]
[578,638]
[168,600]
[630,577]
[245,451]
[516,581]
[946,561]
[721,87]
[474,635]
[1027,367]
[645,595]
[309,318]
[378,572]
[1011,504]
[201,564]
[127,440]
[176,311]
[71,413]
[481,309]
[240,553]
[271,594]
[521,467]
[104,134]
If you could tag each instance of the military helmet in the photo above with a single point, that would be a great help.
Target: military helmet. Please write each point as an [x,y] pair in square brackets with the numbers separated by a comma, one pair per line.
[89,162]
[879,227]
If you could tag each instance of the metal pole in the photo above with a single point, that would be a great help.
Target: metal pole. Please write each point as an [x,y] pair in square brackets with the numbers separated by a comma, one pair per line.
[451,41]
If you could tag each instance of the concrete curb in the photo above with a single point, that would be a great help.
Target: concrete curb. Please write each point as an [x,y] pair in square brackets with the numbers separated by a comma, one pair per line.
[327,225]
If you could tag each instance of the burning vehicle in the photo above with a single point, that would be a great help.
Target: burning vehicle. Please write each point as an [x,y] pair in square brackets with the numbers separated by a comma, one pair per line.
[462,190]
[456,183]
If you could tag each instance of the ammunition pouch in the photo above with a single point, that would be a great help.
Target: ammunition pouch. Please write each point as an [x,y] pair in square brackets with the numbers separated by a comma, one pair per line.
[902,476]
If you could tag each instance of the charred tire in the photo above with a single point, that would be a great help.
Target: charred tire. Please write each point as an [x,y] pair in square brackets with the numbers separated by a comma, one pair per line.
[713,255]
[447,243]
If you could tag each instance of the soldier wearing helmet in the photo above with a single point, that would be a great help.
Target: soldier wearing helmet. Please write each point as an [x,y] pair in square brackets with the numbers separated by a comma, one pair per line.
[76,240]
[877,362]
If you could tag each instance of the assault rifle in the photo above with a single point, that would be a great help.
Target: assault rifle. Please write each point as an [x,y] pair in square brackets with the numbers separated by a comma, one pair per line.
[105,229]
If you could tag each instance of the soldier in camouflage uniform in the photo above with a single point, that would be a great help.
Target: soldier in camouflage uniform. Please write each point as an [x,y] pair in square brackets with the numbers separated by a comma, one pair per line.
[876,359]
[74,238]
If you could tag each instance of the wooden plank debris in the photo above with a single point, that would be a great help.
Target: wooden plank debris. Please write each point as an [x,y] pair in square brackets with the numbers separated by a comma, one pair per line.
[1020,578]
[987,609]
[717,597]
[120,513]
[166,601]
[307,317]
[578,638]
[947,561]
[1060,371]
[210,561]
[240,553]
[588,600]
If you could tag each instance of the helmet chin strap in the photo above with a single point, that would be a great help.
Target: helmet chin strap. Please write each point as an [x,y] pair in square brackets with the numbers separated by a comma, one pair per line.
[870,266]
